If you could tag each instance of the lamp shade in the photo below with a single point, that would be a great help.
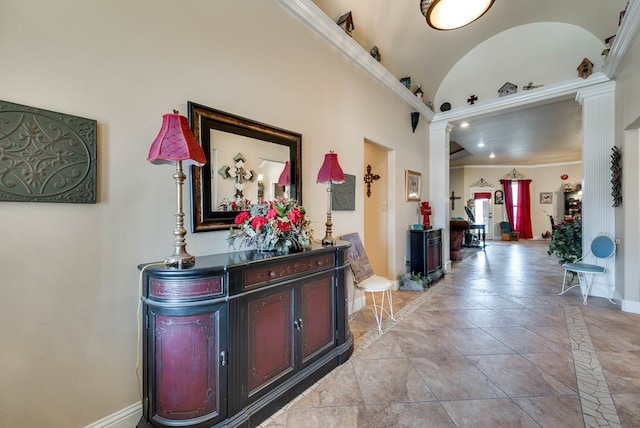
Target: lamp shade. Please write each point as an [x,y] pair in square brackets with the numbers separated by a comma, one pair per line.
[176,142]
[452,14]
[285,176]
[330,171]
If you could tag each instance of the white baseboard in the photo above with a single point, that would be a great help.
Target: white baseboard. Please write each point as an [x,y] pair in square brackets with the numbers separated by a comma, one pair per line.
[125,418]
[631,306]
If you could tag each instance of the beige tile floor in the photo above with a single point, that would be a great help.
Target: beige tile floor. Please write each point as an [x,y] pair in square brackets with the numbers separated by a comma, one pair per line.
[490,345]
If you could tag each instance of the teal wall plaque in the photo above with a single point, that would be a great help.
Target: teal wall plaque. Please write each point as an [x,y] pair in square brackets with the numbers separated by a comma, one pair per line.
[46,156]
[343,197]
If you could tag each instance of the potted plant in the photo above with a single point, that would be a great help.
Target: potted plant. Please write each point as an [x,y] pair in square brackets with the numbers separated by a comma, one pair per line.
[413,282]
[566,242]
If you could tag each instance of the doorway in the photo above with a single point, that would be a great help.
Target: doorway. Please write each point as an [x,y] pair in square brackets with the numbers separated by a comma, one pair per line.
[376,207]
[483,208]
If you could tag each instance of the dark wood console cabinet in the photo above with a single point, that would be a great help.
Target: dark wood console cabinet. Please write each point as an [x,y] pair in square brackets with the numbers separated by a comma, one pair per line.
[232,339]
[425,247]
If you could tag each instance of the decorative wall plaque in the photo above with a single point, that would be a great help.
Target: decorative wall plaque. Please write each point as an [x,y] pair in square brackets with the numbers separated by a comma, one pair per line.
[46,156]
[344,194]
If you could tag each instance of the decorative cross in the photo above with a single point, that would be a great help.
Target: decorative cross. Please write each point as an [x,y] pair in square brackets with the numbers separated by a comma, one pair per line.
[472,99]
[368,178]
[453,200]
[239,173]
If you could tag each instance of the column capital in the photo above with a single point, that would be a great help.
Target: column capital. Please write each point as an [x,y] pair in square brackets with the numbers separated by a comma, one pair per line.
[605,88]
[441,125]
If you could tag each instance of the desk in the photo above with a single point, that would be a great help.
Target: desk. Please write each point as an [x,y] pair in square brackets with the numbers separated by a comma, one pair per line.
[478,231]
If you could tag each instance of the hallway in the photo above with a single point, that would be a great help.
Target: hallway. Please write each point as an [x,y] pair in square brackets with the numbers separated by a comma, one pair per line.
[490,345]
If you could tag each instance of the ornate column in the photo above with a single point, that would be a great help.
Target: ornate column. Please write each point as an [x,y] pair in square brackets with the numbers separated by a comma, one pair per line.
[439,133]
[598,137]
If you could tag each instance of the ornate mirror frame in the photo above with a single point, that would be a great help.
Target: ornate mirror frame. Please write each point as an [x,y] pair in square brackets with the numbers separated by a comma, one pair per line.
[204,119]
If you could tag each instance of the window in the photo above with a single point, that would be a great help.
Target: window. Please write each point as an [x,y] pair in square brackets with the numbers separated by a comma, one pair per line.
[514,197]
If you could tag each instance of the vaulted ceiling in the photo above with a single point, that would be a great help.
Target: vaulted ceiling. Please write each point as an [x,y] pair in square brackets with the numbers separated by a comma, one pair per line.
[409,47]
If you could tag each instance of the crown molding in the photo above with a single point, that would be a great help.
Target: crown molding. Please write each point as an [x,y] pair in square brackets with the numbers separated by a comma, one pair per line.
[627,34]
[545,94]
[316,20]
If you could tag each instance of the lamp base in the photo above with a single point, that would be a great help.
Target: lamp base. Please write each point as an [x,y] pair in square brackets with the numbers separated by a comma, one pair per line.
[181,261]
[328,241]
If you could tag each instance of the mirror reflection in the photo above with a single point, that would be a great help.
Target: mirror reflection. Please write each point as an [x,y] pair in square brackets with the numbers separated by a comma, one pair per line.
[247,162]
[245,171]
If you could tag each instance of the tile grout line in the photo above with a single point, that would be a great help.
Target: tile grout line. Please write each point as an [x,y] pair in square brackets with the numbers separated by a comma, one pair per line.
[598,408]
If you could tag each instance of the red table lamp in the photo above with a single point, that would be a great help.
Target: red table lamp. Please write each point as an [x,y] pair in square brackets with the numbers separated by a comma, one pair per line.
[176,143]
[330,173]
[285,176]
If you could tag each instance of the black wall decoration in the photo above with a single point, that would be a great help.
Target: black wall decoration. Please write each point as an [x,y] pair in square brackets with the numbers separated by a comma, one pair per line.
[616,176]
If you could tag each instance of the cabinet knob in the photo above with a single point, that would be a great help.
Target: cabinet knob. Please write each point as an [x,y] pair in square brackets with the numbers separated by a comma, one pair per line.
[272,274]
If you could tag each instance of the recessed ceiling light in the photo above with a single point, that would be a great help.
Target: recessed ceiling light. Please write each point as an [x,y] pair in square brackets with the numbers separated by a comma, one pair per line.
[480,144]
[492,155]
[464,124]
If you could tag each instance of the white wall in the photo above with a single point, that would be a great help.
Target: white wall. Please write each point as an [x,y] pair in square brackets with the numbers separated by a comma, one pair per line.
[544,178]
[541,52]
[69,280]
[627,225]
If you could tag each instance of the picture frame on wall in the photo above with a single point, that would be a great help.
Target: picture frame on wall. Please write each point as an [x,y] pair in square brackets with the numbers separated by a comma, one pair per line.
[498,197]
[546,197]
[413,185]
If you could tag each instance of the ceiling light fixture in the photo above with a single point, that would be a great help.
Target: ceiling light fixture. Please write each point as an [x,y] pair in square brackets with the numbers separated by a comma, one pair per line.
[452,14]
[464,125]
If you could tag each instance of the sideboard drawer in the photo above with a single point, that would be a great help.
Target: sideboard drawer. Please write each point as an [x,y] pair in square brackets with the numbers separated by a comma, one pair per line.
[254,276]
[186,289]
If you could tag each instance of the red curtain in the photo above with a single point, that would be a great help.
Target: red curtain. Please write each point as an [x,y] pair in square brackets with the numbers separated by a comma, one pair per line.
[523,219]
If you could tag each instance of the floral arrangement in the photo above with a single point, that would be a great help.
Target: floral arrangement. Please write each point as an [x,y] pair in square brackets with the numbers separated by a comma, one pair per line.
[278,225]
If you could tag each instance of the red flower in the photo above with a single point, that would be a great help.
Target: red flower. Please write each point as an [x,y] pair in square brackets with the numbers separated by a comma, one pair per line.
[284,226]
[258,222]
[271,214]
[295,215]
[240,218]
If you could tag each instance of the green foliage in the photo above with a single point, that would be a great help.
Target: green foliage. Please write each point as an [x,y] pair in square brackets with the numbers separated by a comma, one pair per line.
[566,241]
[417,277]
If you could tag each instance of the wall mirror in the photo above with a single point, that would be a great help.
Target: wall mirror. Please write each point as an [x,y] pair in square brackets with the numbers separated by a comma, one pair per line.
[247,162]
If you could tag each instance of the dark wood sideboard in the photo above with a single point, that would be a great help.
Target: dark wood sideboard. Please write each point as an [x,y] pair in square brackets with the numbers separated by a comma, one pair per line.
[232,339]
[425,247]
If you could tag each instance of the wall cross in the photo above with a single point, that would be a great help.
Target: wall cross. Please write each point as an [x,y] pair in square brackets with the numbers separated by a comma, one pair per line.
[472,99]
[453,200]
[369,178]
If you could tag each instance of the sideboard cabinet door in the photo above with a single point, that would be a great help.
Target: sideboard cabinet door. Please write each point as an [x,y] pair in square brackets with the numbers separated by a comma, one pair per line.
[317,320]
[286,329]
[269,338]
[188,376]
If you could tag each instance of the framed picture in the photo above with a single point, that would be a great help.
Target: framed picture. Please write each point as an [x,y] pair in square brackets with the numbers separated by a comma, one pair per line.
[498,197]
[546,197]
[414,181]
